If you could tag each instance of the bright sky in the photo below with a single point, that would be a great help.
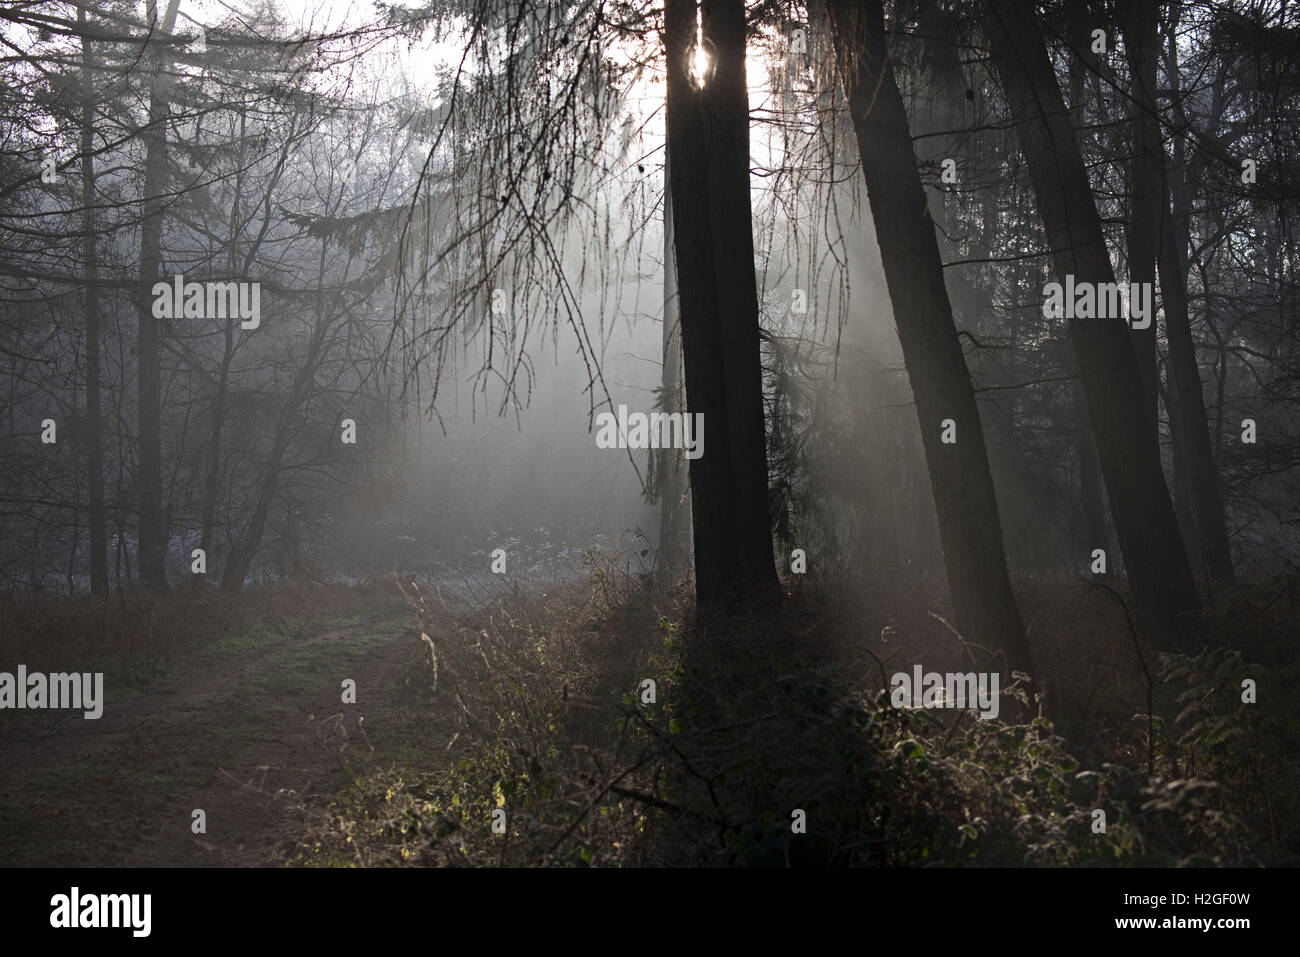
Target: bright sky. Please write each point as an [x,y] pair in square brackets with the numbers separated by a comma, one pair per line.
[405,67]
[420,60]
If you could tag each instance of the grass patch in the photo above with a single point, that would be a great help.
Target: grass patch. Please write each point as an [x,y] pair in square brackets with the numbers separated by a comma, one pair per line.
[259,636]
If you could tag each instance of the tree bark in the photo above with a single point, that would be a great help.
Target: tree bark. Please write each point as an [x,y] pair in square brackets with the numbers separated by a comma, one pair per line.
[1159,576]
[969,524]
[94,437]
[708,153]
[1206,489]
[1181,486]
[149,349]
[674,495]
[1202,474]
[1091,488]
[1145,194]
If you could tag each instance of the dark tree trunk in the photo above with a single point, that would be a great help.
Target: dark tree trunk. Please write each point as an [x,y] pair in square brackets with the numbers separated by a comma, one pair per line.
[969,524]
[1091,488]
[212,471]
[1182,487]
[1145,199]
[1202,475]
[674,495]
[244,549]
[1159,575]
[149,348]
[708,153]
[90,253]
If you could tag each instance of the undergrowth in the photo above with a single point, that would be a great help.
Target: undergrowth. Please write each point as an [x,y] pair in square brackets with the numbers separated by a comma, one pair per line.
[758,747]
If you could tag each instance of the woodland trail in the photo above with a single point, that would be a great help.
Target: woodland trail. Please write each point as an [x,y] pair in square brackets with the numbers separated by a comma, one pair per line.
[246,731]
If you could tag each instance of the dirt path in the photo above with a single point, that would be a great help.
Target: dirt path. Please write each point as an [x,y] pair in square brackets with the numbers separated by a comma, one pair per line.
[244,732]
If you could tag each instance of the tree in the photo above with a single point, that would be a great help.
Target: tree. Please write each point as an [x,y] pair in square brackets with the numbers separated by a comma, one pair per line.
[969,523]
[670,477]
[152,545]
[1091,491]
[1188,412]
[94,434]
[1145,199]
[1159,575]
[708,154]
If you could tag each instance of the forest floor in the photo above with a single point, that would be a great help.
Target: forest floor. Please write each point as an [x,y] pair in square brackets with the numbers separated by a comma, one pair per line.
[249,729]
[482,698]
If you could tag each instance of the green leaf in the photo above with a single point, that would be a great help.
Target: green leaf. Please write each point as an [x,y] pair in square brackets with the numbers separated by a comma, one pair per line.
[911,748]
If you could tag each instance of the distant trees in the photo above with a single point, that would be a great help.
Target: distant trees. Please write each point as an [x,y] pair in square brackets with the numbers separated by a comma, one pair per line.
[398,234]
[198,165]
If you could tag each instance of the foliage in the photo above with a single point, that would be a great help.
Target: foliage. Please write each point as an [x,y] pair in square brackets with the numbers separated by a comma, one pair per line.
[550,725]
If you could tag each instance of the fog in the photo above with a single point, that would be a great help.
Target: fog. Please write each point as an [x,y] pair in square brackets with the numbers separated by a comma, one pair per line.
[473,345]
[501,433]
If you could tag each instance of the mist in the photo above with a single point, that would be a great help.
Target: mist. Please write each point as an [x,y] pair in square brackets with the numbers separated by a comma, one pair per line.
[696,434]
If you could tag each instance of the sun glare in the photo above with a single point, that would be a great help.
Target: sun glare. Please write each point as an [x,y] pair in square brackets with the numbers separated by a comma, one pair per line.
[701,62]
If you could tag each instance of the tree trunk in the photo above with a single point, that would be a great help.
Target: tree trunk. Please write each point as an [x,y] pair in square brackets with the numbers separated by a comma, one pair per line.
[1202,475]
[149,350]
[708,153]
[1181,486]
[967,508]
[1091,487]
[212,471]
[94,437]
[245,547]
[1159,575]
[1145,199]
[674,495]
[242,551]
